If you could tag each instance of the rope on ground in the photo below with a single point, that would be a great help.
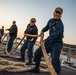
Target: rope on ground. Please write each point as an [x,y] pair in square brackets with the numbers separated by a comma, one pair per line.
[13,50]
[52,71]
[12,66]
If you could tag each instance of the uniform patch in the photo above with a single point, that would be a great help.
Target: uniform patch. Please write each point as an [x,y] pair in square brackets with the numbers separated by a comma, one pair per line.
[53,27]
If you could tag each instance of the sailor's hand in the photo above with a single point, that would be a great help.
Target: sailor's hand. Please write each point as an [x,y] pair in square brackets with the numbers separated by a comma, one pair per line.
[31,39]
[41,32]
[24,34]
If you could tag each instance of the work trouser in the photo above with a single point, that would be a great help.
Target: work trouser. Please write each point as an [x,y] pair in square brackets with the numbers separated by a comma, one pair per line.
[55,50]
[29,46]
[10,43]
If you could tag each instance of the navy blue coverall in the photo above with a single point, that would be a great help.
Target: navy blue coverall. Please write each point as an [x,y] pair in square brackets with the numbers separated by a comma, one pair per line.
[27,43]
[53,43]
[13,34]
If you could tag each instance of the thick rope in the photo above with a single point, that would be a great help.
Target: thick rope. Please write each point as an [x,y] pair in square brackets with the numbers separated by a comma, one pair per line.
[52,71]
[4,36]
[12,66]
[20,43]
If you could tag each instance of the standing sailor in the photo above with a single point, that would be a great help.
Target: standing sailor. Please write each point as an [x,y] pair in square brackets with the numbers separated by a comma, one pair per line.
[30,41]
[53,43]
[12,34]
[1,33]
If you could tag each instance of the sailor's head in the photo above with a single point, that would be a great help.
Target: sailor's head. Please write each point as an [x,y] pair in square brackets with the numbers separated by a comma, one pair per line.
[58,13]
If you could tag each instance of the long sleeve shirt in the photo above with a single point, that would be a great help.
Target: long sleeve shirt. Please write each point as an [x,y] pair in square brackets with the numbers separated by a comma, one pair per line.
[13,30]
[31,30]
[1,32]
[56,30]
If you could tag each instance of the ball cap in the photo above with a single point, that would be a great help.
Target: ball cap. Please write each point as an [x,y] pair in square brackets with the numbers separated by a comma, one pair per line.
[59,9]
[33,19]
[2,26]
[14,21]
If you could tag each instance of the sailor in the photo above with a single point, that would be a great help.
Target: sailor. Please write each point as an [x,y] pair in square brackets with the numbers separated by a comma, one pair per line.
[1,33]
[12,34]
[29,42]
[53,43]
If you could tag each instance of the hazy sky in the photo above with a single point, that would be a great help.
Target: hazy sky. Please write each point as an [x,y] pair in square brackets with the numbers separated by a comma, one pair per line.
[23,10]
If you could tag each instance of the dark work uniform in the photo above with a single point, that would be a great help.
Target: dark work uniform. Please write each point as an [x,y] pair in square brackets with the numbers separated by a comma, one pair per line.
[53,43]
[1,34]
[27,43]
[13,34]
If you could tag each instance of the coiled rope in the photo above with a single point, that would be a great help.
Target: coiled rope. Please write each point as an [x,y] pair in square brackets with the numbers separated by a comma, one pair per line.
[16,68]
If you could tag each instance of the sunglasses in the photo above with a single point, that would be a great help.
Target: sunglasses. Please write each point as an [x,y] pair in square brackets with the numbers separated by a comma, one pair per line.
[58,12]
[32,21]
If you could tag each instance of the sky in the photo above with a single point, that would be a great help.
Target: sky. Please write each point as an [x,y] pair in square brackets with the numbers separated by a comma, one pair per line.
[23,10]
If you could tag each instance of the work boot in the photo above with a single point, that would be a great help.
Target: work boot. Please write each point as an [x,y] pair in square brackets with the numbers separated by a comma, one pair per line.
[22,59]
[58,72]
[29,62]
[34,70]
